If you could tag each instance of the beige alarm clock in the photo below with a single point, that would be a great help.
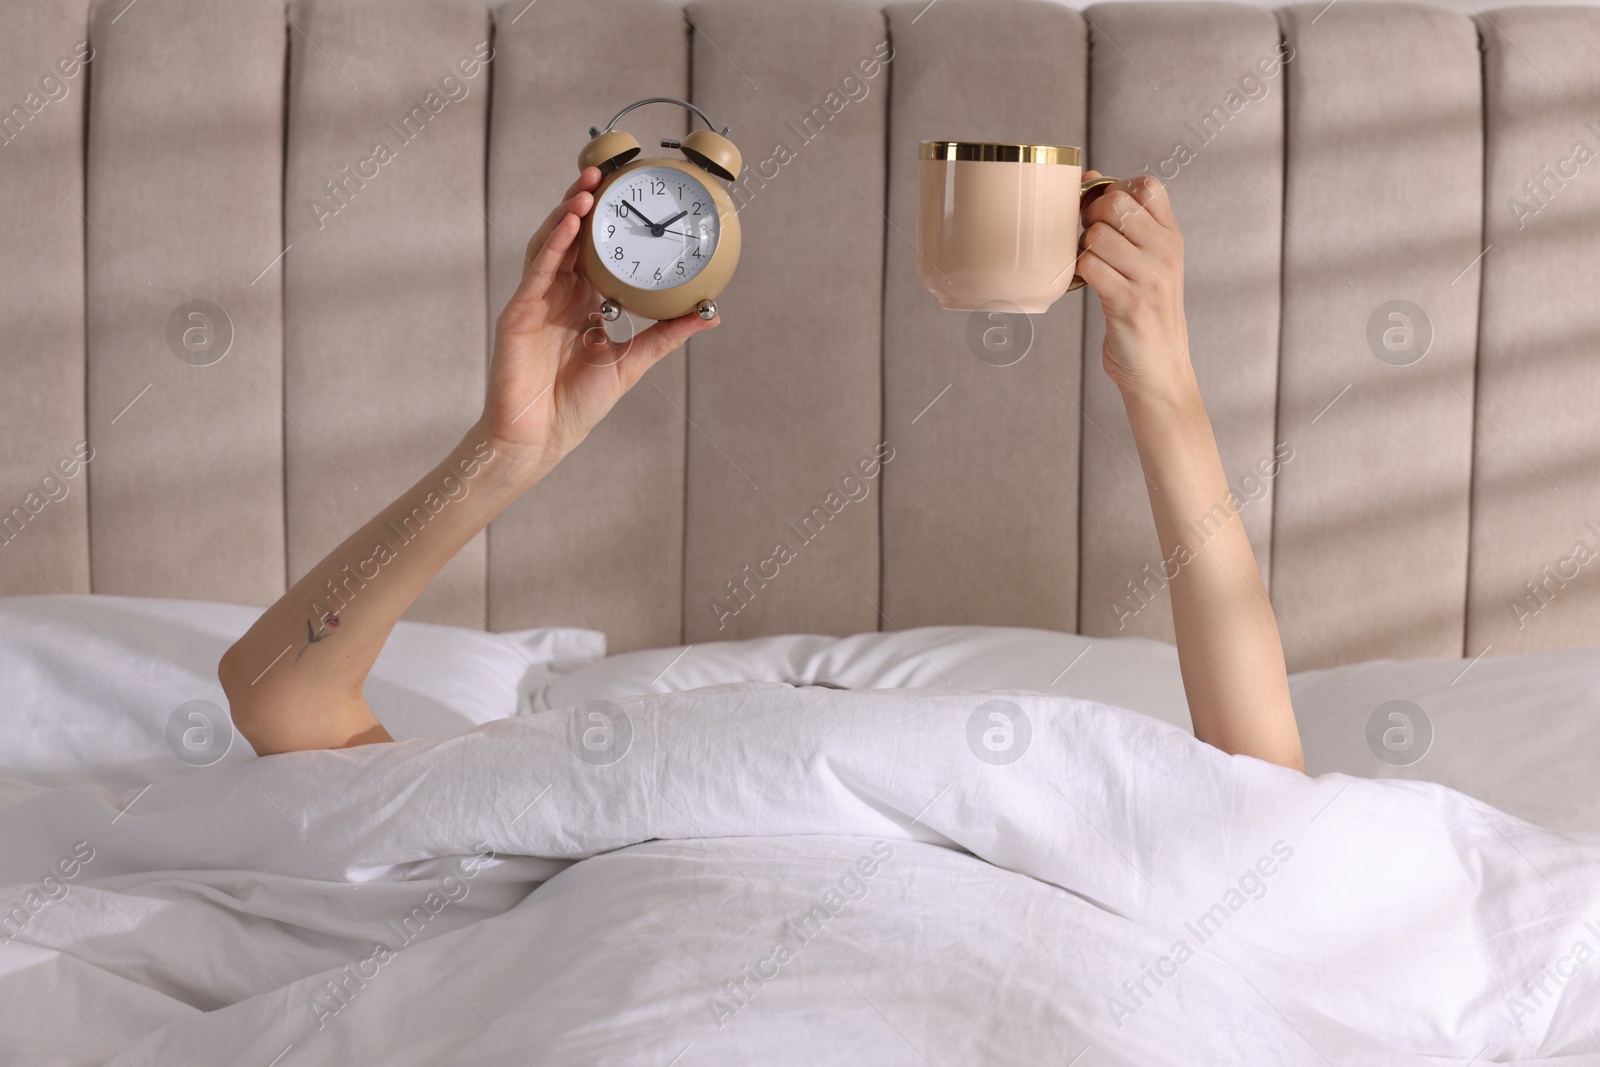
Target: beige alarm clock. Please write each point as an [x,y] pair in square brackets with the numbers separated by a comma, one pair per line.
[663,237]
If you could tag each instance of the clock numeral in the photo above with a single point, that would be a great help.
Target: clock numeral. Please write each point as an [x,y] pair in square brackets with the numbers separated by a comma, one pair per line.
[680,266]
[658,185]
[680,190]
[636,193]
[658,274]
[697,206]
[610,230]
[697,254]
[635,267]
[616,253]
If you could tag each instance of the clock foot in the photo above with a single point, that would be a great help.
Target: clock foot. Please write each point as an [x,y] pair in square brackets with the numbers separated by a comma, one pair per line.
[610,310]
[708,310]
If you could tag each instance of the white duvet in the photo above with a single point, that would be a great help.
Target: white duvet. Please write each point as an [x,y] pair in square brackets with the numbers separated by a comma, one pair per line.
[779,875]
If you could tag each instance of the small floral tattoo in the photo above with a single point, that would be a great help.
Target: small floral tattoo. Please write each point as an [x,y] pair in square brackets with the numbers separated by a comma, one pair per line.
[313,635]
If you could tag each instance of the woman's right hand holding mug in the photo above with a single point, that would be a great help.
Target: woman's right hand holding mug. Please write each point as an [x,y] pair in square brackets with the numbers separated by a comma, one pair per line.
[1132,258]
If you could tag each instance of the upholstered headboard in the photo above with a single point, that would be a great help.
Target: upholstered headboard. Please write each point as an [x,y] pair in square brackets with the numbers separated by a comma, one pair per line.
[228,153]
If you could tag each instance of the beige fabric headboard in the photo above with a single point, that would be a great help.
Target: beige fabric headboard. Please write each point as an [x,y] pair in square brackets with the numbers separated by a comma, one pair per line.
[224,152]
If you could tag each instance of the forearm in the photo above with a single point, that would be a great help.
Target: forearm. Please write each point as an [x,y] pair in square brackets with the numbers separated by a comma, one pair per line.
[1228,645]
[294,680]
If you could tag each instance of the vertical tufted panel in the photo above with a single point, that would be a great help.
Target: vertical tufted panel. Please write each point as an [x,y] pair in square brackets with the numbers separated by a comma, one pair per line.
[384,278]
[1384,203]
[980,520]
[1191,94]
[184,203]
[44,525]
[785,395]
[1536,487]
[600,542]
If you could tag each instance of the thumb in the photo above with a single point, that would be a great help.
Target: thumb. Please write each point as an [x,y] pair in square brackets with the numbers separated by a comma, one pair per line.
[652,345]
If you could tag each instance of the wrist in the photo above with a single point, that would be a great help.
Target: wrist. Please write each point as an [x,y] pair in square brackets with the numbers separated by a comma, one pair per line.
[513,465]
[1174,399]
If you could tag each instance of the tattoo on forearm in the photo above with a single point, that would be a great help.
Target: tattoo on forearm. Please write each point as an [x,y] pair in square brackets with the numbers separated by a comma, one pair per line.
[401,529]
[330,622]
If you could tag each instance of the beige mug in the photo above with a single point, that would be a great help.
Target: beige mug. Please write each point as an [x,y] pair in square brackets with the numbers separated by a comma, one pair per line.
[997,223]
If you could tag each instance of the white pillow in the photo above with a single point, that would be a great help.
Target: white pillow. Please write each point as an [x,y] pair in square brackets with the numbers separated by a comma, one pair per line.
[1128,672]
[1519,732]
[90,682]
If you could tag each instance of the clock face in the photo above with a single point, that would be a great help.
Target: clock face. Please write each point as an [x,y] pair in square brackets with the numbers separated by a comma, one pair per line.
[656,227]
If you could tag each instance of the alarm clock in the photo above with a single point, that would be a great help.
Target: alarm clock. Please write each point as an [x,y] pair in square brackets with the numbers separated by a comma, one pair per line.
[663,237]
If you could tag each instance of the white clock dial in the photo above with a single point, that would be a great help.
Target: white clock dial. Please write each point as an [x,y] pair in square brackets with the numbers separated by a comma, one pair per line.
[656,227]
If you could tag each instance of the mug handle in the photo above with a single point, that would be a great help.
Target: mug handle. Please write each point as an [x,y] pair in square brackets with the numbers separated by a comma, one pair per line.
[1090,185]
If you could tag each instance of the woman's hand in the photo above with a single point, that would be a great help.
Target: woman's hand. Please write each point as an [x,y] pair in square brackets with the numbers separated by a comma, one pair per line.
[1228,645]
[1133,259]
[555,373]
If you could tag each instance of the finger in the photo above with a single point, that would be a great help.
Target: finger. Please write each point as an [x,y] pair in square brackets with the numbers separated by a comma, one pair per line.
[578,203]
[1153,195]
[1114,205]
[578,197]
[1119,209]
[1107,282]
[1115,249]
[546,262]
[664,337]
[569,262]
[542,232]
[586,180]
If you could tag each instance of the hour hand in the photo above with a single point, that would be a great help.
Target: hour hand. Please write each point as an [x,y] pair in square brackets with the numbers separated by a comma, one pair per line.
[664,223]
[636,211]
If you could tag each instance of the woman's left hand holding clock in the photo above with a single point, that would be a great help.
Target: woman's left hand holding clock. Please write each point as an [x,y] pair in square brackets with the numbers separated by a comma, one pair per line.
[555,373]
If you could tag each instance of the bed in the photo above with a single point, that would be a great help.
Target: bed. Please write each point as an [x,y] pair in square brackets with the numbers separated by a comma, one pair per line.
[795,849]
[929,795]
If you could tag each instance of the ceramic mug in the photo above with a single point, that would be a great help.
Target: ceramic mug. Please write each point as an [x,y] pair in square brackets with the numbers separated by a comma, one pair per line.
[997,223]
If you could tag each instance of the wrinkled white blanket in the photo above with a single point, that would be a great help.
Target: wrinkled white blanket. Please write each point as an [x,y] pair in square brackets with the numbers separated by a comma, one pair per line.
[764,874]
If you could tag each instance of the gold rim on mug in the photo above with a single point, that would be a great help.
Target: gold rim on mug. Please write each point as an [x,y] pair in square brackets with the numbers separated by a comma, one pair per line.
[1002,152]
